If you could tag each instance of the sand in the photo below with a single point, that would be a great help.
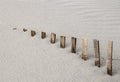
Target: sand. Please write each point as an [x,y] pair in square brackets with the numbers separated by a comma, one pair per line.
[31,59]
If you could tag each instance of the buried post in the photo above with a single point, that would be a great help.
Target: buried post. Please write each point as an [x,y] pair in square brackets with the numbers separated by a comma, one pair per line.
[84,48]
[73,46]
[109,57]
[14,28]
[33,33]
[62,41]
[53,38]
[43,35]
[24,30]
[97,52]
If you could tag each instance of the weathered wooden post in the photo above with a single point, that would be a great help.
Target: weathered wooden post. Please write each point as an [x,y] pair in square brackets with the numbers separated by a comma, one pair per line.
[53,38]
[73,46]
[33,33]
[109,57]
[14,28]
[84,48]
[97,52]
[24,30]
[43,35]
[62,41]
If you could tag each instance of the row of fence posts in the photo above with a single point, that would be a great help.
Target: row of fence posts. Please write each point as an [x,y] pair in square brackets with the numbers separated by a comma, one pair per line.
[84,48]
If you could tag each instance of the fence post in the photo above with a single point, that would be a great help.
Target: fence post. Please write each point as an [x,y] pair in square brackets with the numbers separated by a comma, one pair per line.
[43,35]
[14,28]
[84,48]
[62,41]
[109,57]
[97,52]
[73,47]
[33,33]
[53,38]
[24,29]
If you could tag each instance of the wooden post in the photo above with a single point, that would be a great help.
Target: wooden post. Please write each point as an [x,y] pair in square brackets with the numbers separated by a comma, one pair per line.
[24,29]
[43,35]
[62,41]
[33,33]
[84,48]
[53,38]
[109,57]
[73,47]
[14,28]
[97,52]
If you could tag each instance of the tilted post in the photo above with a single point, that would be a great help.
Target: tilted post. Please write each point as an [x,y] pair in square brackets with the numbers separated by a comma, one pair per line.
[84,48]
[109,57]
[97,52]
[53,38]
[33,33]
[62,41]
[43,35]
[73,46]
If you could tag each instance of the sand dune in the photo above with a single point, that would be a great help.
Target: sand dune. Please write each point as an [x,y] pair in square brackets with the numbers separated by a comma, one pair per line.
[26,59]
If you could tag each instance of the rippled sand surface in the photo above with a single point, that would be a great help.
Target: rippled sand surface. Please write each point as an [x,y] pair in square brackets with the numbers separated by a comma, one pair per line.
[26,59]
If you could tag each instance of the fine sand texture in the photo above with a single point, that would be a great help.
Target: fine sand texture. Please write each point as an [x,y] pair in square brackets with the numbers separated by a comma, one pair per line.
[31,59]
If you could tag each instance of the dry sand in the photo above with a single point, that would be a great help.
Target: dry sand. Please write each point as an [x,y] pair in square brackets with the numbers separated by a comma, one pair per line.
[27,59]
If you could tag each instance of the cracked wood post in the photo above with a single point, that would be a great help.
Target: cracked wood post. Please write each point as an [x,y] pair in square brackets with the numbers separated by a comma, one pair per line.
[97,52]
[43,35]
[53,38]
[109,57]
[73,46]
[62,41]
[33,33]
[84,48]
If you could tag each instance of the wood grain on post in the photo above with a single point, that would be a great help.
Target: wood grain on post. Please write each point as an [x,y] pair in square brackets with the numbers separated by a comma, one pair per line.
[43,35]
[53,38]
[62,41]
[73,46]
[97,52]
[24,29]
[33,33]
[109,57]
[84,48]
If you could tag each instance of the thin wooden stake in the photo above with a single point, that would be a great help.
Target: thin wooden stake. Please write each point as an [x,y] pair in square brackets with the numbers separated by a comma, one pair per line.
[62,41]
[84,48]
[53,38]
[109,57]
[97,52]
[73,47]
[43,35]
[33,33]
